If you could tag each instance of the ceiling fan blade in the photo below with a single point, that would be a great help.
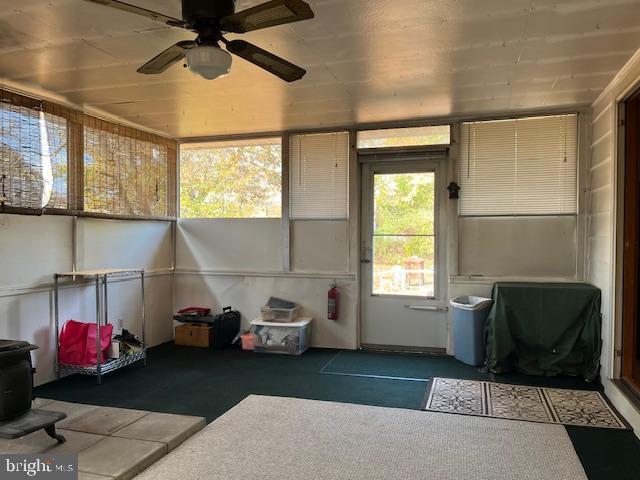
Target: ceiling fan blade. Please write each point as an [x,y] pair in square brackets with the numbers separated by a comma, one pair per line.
[125,7]
[270,14]
[266,60]
[167,58]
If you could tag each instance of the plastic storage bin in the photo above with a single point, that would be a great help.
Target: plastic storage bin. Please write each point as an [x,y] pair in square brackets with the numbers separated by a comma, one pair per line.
[469,318]
[279,315]
[286,338]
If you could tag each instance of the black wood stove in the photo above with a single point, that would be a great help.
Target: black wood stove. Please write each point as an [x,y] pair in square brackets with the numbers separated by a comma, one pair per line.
[17,418]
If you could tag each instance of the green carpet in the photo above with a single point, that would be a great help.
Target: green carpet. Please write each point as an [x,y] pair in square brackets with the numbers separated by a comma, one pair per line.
[193,381]
[415,367]
[382,366]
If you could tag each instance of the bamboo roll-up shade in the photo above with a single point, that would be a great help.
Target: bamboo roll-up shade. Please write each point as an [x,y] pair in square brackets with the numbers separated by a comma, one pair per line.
[33,155]
[126,171]
[56,157]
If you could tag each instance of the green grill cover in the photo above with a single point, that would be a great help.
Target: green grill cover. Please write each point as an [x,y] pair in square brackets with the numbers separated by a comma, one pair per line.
[545,329]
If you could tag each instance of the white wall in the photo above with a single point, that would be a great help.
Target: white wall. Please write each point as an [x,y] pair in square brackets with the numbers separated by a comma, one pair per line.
[320,246]
[518,246]
[604,224]
[239,263]
[123,244]
[33,248]
[247,293]
[229,244]
[600,225]
[485,250]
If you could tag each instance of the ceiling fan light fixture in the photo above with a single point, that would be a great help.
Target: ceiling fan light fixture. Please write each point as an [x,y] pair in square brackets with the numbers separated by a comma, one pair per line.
[210,19]
[208,61]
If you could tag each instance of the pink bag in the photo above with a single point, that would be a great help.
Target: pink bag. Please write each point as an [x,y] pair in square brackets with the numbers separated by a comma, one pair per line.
[73,343]
[91,353]
[78,344]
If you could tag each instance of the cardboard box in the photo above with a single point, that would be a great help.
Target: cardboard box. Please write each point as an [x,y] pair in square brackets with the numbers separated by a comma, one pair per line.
[194,335]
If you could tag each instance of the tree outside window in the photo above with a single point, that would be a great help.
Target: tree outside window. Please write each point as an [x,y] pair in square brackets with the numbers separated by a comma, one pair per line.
[224,180]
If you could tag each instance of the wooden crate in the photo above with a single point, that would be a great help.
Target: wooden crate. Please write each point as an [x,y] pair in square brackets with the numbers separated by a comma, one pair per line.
[194,335]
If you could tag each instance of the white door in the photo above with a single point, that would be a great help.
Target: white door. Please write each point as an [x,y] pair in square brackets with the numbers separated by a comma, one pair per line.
[403,261]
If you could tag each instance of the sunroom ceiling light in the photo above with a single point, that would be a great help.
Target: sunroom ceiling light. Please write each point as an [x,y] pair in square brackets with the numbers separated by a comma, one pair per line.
[209,62]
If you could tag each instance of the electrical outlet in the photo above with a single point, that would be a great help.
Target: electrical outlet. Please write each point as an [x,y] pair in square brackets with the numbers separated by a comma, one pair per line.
[120,324]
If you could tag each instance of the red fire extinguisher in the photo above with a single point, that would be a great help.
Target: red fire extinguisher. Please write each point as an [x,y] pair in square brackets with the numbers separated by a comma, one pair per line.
[333,302]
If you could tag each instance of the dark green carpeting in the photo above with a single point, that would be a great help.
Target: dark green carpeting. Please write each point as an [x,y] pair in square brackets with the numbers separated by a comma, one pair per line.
[420,367]
[202,382]
[403,367]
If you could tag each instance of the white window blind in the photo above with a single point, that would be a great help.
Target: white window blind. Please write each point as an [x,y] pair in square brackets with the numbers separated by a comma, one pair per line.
[318,184]
[526,166]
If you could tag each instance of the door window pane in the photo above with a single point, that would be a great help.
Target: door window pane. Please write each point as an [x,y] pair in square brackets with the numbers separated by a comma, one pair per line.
[404,234]
[404,265]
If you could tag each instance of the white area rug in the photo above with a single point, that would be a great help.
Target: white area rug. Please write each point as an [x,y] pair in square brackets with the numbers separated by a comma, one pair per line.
[583,408]
[287,438]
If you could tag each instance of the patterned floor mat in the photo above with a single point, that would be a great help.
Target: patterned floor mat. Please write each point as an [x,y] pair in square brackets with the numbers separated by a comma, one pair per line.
[584,408]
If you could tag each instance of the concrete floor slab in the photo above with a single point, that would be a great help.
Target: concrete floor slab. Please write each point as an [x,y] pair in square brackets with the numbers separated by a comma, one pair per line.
[104,420]
[120,458]
[72,410]
[163,427]
[139,438]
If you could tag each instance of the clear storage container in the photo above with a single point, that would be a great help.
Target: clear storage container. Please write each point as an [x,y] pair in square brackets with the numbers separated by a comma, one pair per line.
[280,315]
[286,338]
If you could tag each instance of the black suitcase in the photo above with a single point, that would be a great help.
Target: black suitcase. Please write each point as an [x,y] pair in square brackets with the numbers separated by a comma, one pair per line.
[226,327]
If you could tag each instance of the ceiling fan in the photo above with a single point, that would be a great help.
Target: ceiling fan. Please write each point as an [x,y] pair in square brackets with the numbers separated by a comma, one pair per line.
[209,19]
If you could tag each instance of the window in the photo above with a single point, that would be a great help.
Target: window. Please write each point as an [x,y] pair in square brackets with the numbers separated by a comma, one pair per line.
[526,166]
[126,172]
[404,137]
[404,234]
[54,157]
[240,179]
[33,155]
[318,184]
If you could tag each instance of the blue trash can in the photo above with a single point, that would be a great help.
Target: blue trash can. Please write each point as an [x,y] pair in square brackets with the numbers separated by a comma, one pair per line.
[469,317]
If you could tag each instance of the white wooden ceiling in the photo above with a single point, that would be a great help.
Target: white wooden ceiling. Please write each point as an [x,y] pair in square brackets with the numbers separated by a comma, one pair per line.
[368,61]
